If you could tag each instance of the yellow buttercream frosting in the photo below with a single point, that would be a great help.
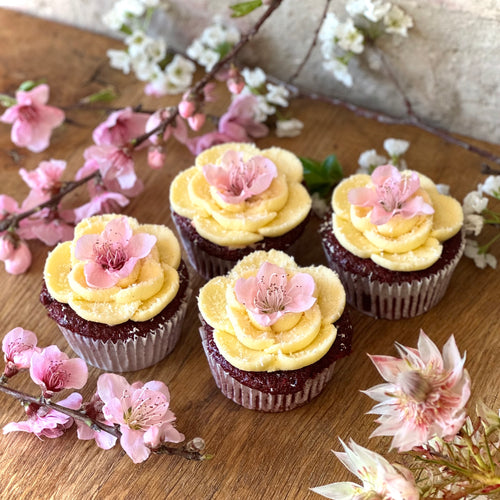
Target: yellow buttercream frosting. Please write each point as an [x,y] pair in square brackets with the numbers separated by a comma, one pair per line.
[401,244]
[146,291]
[295,340]
[277,210]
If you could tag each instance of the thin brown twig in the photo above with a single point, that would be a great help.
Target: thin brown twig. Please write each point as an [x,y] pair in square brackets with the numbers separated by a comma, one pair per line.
[312,45]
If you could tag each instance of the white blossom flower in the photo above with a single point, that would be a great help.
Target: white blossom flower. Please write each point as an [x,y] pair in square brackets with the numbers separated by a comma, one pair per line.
[254,77]
[329,27]
[481,259]
[143,68]
[349,38]
[474,203]
[119,59]
[473,224]
[396,147]
[380,478]
[368,160]
[373,10]
[262,109]
[397,22]
[213,36]
[277,94]
[339,71]
[232,35]
[289,128]
[491,186]
[443,189]
[114,19]
[155,50]
[195,49]
[180,72]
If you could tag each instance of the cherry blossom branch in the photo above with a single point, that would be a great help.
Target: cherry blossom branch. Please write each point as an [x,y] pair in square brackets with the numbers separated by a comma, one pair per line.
[197,89]
[41,401]
[312,45]
[188,452]
[13,220]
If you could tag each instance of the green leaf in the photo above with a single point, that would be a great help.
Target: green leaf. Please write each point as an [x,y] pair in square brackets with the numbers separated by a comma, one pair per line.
[104,95]
[28,85]
[244,8]
[321,177]
[224,48]
[7,100]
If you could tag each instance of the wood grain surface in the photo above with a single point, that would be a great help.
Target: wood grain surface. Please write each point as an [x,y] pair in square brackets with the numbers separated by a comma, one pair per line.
[255,455]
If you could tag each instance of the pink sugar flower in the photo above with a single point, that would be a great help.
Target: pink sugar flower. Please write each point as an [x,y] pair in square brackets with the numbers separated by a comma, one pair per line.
[54,371]
[18,347]
[237,180]
[93,410]
[381,480]
[32,121]
[120,127]
[17,256]
[393,194]
[113,254]
[116,166]
[142,412]
[44,182]
[46,422]
[270,294]
[425,395]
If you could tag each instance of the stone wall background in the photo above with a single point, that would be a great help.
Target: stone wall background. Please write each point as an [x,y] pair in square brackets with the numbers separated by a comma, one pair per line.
[449,66]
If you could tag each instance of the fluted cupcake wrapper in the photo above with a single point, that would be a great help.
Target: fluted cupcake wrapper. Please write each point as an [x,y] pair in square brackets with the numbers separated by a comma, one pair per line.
[395,300]
[133,353]
[254,399]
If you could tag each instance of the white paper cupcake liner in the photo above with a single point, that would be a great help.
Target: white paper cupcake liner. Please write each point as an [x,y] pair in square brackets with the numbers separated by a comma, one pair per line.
[254,399]
[134,353]
[395,300]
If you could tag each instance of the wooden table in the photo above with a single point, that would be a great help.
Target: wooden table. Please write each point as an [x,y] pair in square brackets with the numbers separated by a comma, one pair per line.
[255,455]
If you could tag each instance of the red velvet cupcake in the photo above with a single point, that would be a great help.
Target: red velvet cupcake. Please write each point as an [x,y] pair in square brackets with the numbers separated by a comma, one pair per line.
[272,331]
[235,200]
[394,241]
[118,292]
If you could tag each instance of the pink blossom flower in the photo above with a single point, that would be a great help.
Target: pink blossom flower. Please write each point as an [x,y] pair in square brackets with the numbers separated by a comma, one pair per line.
[381,480]
[46,422]
[120,127]
[54,371]
[45,226]
[44,181]
[116,166]
[113,254]
[18,257]
[142,412]
[18,346]
[237,180]
[100,203]
[394,194]
[425,395]
[93,410]
[238,124]
[196,121]
[178,130]
[32,120]
[156,157]
[270,294]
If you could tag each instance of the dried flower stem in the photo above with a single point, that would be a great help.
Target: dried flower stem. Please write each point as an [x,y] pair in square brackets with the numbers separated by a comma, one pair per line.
[94,424]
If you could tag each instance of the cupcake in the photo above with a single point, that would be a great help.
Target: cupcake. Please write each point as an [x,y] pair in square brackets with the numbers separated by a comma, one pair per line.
[235,200]
[118,292]
[272,331]
[394,240]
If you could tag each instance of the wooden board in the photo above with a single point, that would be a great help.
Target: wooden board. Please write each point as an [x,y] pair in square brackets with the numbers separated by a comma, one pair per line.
[255,455]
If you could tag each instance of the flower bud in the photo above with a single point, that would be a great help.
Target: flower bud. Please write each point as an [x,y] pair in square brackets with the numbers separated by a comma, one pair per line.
[156,158]
[196,121]
[196,444]
[235,85]
[20,260]
[186,108]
